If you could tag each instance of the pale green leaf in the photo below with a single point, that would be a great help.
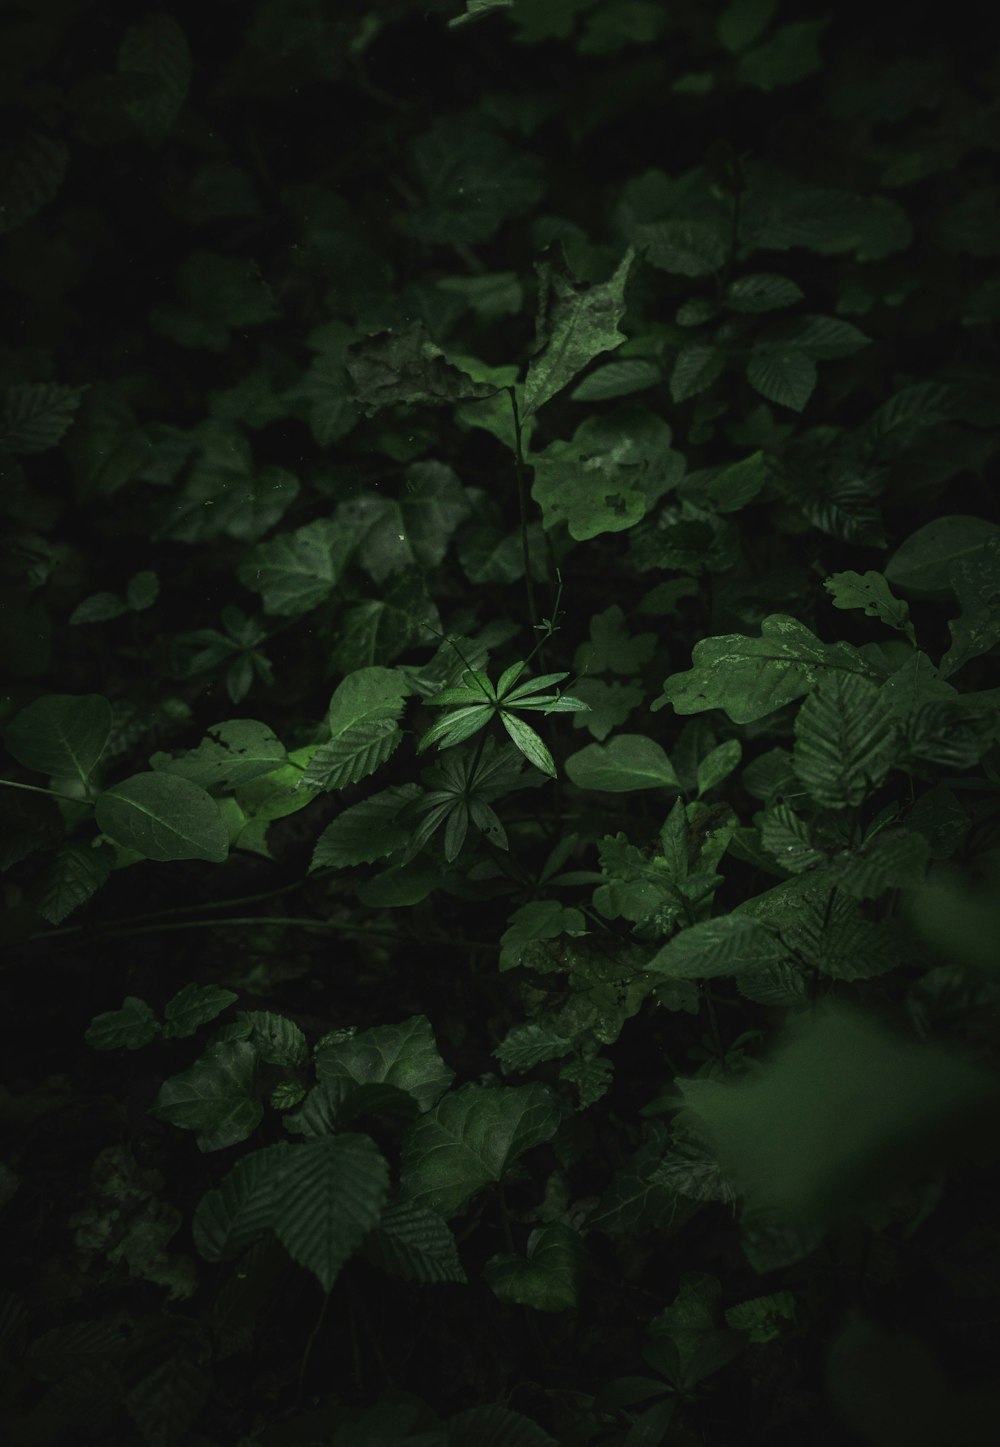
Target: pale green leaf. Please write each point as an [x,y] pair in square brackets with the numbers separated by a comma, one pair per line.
[628,762]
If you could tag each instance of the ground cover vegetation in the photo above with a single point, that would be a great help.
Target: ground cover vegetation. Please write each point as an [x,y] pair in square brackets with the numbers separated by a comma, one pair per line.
[500,603]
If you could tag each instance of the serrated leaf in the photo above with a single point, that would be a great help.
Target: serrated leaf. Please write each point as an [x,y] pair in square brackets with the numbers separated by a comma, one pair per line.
[548,1278]
[528,1045]
[415,1243]
[277,1040]
[761,291]
[469,1139]
[231,1218]
[726,945]
[843,745]
[163,817]
[580,325]
[332,1192]
[404,1055]
[365,832]
[896,858]
[74,876]
[129,1028]
[695,367]
[37,415]
[975,581]
[616,379]
[364,732]
[214,1097]
[782,374]
[627,762]
[684,248]
[785,835]
[61,734]
[192,1006]
[154,53]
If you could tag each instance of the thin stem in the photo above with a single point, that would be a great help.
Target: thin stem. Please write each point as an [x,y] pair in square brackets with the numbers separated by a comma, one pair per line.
[257,919]
[308,1349]
[522,497]
[37,789]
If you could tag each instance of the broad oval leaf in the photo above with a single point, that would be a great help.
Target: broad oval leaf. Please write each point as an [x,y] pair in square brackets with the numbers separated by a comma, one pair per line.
[61,734]
[469,1139]
[549,1279]
[922,564]
[164,817]
[215,1096]
[722,946]
[404,1055]
[628,762]
[844,747]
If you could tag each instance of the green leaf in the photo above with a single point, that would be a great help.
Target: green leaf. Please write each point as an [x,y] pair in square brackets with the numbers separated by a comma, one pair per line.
[61,734]
[75,874]
[364,732]
[296,572]
[684,248]
[33,175]
[142,591]
[164,818]
[617,379]
[744,21]
[469,1140]
[496,1426]
[752,677]
[472,180]
[231,1218]
[790,54]
[718,764]
[528,1045]
[975,581]
[192,1006]
[527,740]
[922,564]
[332,1192]
[786,836]
[365,832]
[627,763]
[722,946]
[277,1040]
[154,54]
[129,1028]
[579,326]
[695,367]
[402,367]
[761,291]
[894,858]
[727,489]
[232,754]
[416,1244]
[843,746]
[871,592]
[763,1317]
[815,1140]
[98,608]
[401,886]
[403,1055]
[542,919]
[214,1097]
[611,648]
[456,727]
[782,374]
[549,1279]
[37,415]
